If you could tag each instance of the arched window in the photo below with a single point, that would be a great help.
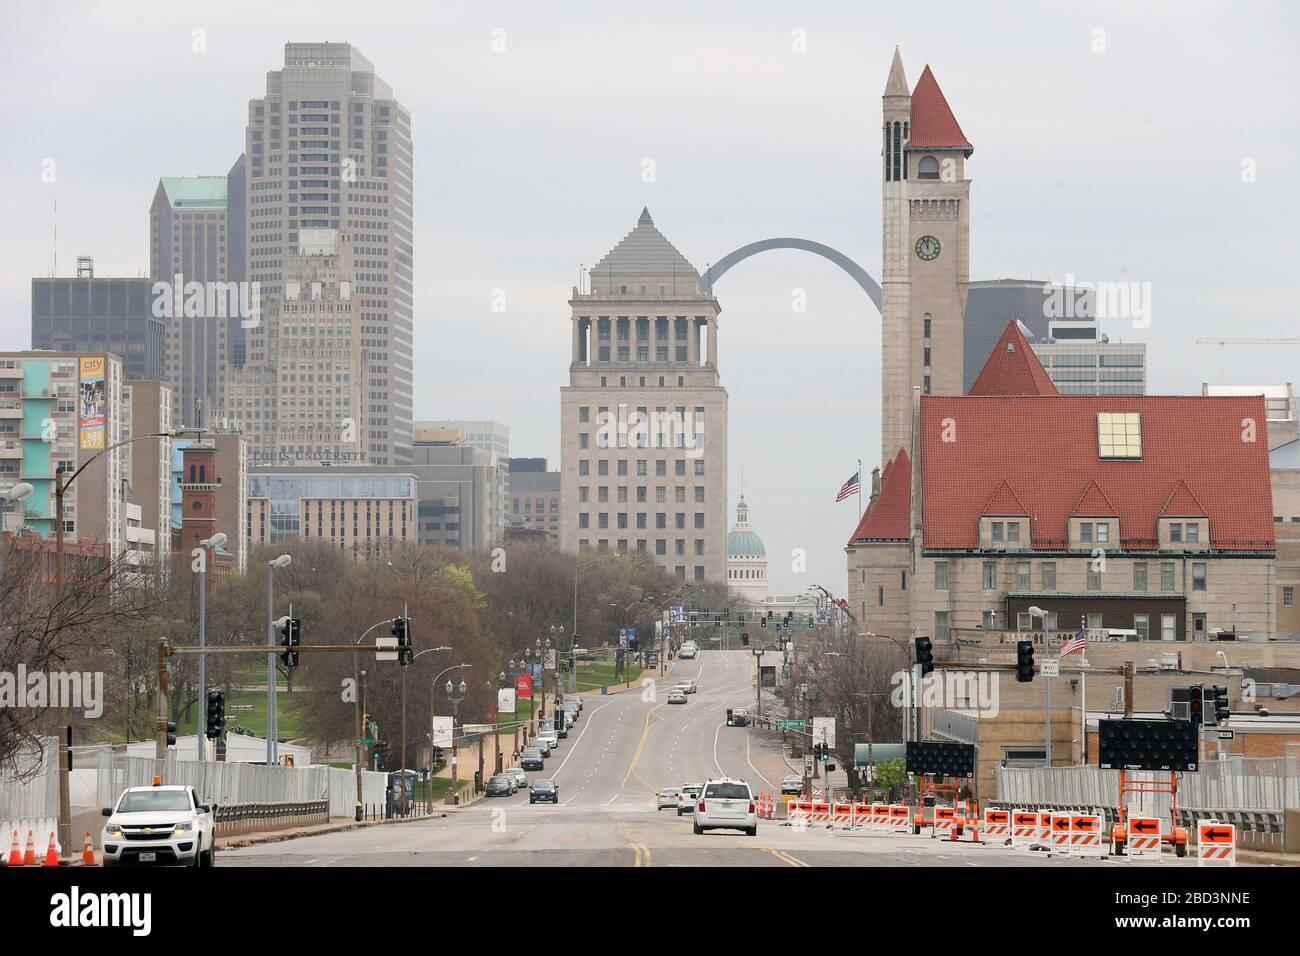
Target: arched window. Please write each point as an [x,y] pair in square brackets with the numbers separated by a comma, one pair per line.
[928,168]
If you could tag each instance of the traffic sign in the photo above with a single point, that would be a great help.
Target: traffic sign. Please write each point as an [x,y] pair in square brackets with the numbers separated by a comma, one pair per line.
[1050,667]
[1216,843]
[385,642]
[789,725]
[366,741]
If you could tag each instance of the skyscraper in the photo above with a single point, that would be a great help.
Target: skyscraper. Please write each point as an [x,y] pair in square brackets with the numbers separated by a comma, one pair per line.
[925,218]
[643,420]
[328,147]
[188,224]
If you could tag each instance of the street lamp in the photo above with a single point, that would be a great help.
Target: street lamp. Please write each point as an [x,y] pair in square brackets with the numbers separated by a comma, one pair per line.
[271,743]
[206,545]
[1038,612]
[414,658]
[12,496]
[496,721]
[455,695]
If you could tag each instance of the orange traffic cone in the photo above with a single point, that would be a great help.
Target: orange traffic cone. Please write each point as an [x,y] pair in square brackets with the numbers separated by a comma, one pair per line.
[15,854]
[29,855]
[51,854]
[88,851]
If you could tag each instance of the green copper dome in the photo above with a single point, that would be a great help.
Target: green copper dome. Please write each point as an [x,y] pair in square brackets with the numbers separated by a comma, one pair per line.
[741,541]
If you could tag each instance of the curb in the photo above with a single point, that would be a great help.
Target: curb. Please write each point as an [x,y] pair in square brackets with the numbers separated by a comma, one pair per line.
[246,840]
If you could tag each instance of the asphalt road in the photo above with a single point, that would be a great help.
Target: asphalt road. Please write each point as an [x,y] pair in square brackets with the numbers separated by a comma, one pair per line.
[621,751]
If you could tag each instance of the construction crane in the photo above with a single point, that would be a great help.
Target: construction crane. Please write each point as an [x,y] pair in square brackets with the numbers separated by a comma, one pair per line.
[1247,341]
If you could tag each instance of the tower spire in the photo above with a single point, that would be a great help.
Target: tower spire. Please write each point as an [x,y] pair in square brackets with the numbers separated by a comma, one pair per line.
[896,85]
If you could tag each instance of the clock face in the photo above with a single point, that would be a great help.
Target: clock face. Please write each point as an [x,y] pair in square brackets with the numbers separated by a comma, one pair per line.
[927,247]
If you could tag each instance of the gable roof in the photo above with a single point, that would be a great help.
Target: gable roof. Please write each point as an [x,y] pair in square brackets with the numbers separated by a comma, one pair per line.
[1181,503]
[1093,503]
[933,125]
[1005,502]
[1047,449]
[1012,368]
[645,251]
[889,517]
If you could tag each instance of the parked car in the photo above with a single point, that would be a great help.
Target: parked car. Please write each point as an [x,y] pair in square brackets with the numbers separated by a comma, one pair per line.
[667,798]
[792,783]
[548,739]
[677,697]
[500,785]
[686,798]
[540,744]
[726,805]
[544,790]
[521,778]
[532,760]
[159,825]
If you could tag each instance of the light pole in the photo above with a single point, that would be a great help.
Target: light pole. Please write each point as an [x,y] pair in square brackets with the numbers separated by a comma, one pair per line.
[758,653]
[414,658]
[433,691]
[496,723]
[207,545]
[271,749]
[1038,612]
[60,487]
[455,695]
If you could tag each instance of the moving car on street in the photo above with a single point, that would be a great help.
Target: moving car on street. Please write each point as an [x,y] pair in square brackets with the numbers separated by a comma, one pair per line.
[544,790]
[687,687]
[159,825]
[726,805]
[686,798]
[667,798]
[676,697]
[500,785]
[792,783]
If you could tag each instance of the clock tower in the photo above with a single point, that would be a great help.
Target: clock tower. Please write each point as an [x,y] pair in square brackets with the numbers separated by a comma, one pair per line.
[925,222]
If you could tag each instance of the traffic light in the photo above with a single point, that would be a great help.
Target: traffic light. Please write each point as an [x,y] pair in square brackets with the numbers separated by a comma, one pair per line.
[744,638]
[437,755]
[216,714]
[1196,706]
[729,718]
[171,733]
[381,751]
[1219,700]
[925,655]
[810,621]
[763,621]
[401,630]
[1024,661]
[290,637]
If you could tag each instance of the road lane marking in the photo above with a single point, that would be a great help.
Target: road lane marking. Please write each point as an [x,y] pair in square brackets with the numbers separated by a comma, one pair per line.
[782,856]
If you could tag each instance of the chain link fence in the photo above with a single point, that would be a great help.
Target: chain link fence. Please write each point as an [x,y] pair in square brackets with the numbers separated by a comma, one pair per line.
[33,790]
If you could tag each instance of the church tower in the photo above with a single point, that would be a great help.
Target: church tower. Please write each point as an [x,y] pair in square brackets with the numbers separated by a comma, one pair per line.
[925,223]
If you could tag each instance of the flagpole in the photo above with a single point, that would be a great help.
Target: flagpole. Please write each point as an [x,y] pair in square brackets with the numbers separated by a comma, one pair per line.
[859,489]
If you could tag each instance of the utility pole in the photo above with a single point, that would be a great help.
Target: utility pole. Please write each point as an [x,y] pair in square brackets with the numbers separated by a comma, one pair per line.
[160,726]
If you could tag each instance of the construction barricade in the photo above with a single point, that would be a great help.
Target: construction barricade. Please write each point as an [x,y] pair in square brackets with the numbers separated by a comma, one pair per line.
[1086,835]
[1025,831]
[1142,838]
[1216,843]
[945,823]
[900,816]
[842,814]
[1060,835]
[997,826]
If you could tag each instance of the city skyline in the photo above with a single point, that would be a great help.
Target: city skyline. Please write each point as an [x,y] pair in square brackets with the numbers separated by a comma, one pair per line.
[1072,178]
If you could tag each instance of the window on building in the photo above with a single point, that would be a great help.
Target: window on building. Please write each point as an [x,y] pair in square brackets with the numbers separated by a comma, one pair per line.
[941,575]
[1085,532]
[1013,532]
[1288,597]
[1049,575]
[1176,531]
[1139,576]
[1168,627]
[1193,533]
[997,532]
[1094,577]
[1142,624]
[1198,576]
[1119,435]
[942,634]
[1166,575]
[1103,532]
[1022,576]
[990,575]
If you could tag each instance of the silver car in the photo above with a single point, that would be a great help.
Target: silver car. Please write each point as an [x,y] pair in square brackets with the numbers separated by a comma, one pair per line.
[667,799]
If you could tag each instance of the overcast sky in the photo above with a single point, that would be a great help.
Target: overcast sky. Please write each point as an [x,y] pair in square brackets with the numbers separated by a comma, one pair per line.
[1117,164]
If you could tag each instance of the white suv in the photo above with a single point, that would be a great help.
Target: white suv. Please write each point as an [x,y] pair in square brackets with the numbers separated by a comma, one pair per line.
[726,805]
[159,825]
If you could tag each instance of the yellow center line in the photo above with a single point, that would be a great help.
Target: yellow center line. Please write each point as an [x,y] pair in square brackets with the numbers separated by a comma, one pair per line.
[631,770]
[782,856]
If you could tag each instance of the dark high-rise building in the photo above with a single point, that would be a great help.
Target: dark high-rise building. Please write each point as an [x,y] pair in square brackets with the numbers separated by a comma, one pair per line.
[90,314]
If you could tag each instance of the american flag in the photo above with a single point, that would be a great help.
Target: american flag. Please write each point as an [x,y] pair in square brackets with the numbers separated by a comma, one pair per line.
[850,487]
[1076,643]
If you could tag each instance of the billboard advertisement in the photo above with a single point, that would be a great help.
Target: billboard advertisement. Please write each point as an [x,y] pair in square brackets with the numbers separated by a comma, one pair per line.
[92,402]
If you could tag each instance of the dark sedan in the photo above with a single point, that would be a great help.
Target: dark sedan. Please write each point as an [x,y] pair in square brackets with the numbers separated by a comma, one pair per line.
[543,790]
[532,761]
[500,786]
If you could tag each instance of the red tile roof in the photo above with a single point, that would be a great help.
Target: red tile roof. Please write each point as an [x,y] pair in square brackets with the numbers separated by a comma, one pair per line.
[1012,368]
[889,517]
[933,124]
[1005,503]
[1093,503]
[1045,450]
[1181,503]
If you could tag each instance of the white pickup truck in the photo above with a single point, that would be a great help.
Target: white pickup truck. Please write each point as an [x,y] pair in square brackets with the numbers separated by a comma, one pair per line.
[164,825]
